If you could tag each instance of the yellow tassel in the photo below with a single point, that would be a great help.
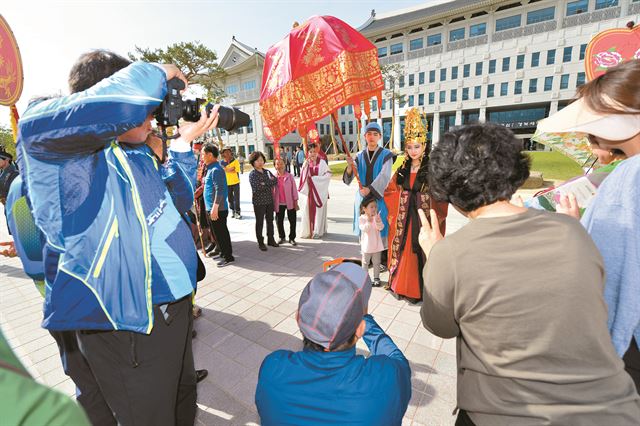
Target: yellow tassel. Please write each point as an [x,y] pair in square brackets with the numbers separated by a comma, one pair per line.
[14,121]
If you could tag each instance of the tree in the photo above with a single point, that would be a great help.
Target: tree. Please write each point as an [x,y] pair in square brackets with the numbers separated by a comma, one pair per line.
[391,75]
[6,140]
[197,62]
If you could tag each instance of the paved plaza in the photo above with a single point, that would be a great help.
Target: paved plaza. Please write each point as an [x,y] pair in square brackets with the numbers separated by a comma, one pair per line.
[248,311]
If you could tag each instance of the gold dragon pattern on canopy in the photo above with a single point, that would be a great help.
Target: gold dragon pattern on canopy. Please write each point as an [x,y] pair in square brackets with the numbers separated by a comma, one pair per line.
[320,66]
[10,66]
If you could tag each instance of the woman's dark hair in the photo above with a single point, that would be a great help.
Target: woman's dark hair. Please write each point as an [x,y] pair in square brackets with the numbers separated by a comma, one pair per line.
[477,165]
[312,146]
[620,83]
[92,67]
[254,157]
[404,172]
[211,149]
[366,201]
[313,346]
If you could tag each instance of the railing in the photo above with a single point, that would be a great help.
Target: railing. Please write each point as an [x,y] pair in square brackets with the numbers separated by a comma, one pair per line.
[595,16]
[540,27]
[469,42]
[247,95]
[427,51]
[392,59]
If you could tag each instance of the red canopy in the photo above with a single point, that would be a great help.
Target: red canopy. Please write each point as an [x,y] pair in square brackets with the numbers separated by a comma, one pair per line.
[318,67]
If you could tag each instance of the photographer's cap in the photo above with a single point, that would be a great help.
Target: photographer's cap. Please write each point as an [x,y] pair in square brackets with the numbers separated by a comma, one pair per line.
[373,127]
[333,304]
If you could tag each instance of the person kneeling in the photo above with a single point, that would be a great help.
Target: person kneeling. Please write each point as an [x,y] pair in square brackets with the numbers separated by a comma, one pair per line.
[327,383]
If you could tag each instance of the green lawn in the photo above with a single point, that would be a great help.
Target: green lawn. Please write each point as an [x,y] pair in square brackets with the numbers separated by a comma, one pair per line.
[554,165]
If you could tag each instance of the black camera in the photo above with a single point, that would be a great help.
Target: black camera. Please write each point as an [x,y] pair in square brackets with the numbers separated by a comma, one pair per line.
[173,108]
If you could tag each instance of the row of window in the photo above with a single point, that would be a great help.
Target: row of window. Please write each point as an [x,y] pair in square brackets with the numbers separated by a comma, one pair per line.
[567,56]
[491,90]
[477,92]
[501,24]
[247,85]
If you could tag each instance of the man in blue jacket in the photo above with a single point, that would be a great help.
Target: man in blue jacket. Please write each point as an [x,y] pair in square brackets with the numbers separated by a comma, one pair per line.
[327,383]
[215,200]
[119,259]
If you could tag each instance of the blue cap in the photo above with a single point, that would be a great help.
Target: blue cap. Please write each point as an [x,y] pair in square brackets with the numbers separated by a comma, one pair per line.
[374,127]
[333,304]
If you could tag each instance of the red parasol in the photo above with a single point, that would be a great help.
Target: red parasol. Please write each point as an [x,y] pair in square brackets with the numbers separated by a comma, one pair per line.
[320,66]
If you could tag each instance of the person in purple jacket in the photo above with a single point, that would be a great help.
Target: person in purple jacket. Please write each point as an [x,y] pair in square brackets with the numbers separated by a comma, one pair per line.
[327,382]
[286,201]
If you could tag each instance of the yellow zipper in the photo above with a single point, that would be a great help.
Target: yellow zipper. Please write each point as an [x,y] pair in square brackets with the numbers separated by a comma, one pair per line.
[113,232]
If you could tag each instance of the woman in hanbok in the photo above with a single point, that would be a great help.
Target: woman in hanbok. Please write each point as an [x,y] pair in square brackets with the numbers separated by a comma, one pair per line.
[314,185]
[407,192]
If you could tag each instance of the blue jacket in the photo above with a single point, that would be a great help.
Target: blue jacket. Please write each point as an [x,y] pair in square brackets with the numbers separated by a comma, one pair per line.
[612,219]
[340,388]
[116,243]
[28,239]
[215,187]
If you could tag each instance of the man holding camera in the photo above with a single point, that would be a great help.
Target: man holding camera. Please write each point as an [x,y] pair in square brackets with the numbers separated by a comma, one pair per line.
[120,263]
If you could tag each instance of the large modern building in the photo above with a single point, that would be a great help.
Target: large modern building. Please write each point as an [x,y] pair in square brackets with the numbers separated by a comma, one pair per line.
[509,62]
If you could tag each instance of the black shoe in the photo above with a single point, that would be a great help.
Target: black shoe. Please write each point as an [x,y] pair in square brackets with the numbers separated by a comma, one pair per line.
[293,242]
[413,301]
[194,333]
[383,268]
[225,262]
[262,247]
[376,282]
[213,254]
[272,243]
[201,375]
[281,241]
[209,248]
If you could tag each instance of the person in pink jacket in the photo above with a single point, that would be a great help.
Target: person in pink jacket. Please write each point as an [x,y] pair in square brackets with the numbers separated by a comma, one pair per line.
[286,201]
[371,224]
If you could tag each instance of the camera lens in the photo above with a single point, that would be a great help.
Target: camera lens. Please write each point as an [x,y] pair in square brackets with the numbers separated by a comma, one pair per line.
[191,109]
[231,119]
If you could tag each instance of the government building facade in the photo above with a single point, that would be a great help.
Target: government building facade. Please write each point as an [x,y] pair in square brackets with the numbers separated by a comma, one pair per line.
[508,62]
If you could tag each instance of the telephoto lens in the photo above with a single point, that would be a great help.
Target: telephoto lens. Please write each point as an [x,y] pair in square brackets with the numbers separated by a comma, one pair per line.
[231,118]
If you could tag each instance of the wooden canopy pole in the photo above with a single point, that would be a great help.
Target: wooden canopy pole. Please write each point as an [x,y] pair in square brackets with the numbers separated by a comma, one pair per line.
[346,150]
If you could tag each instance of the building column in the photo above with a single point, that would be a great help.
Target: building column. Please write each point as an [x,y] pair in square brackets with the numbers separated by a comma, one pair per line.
[482,117]
[435,133]
[553,108]
[458,117]
[396,133]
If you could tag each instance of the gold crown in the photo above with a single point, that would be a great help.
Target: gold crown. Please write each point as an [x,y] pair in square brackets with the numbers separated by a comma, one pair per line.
[415,128]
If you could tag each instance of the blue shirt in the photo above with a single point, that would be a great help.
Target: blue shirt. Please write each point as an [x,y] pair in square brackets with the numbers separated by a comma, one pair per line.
[312,388]
[215,187]
[613,221]
[300,157]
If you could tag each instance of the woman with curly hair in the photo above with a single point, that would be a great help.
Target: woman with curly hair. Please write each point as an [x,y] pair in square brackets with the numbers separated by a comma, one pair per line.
[522,291]
[407,192]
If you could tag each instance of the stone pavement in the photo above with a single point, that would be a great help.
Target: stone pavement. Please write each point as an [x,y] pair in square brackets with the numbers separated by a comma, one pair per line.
[248,311]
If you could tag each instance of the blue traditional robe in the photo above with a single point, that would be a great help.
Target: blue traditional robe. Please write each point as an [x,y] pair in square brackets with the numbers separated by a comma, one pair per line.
[375,174]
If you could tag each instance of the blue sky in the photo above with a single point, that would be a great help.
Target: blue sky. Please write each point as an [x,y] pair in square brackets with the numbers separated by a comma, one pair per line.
[52,34]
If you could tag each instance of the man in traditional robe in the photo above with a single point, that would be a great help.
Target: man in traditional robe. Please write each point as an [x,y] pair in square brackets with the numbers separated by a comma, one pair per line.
[373,165]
